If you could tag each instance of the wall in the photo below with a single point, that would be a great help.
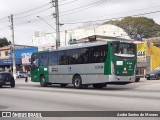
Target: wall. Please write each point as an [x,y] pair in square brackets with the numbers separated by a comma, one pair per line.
[3,51]
[141,58]
[154,53]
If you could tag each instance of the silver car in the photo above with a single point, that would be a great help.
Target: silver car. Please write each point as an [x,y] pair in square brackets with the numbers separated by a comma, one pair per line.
[21,74]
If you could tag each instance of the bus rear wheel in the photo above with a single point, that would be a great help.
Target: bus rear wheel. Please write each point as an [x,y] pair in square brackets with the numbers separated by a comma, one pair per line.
[77,81]
[42,82]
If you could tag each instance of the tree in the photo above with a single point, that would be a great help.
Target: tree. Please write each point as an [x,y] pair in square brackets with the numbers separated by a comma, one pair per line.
[138,26]
[4,42]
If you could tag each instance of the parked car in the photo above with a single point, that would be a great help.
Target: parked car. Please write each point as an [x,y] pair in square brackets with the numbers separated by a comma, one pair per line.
[6,79]
[153,74]
[21,74]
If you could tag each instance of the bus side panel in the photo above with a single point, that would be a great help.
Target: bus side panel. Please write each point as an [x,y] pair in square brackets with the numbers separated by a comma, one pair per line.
[34,75]
[65,73]
[37,73]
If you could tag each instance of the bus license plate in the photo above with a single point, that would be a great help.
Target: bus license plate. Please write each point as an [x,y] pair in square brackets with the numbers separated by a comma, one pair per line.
[124,72]
[7,82]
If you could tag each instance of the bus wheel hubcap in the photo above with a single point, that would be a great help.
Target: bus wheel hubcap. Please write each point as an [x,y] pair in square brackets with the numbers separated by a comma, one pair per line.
[77,82]
[42,81]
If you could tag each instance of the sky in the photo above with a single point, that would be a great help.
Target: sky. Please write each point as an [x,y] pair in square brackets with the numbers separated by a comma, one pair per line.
[73,14]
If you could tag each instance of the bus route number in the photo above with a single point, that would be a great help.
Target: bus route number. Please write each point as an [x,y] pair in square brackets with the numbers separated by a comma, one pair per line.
[99,67]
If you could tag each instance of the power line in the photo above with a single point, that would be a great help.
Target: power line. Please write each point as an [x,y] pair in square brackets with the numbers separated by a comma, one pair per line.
[87,5]
[33,9]
[36,8]
[78,8]
[45,10]
[115,18]
[127,11]
[34,20]
[2,28]
[46,22]
[68,2]
[103,19]
[2,20]
[32,14]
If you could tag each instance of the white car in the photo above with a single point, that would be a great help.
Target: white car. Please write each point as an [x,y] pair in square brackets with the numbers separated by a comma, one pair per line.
[21,74]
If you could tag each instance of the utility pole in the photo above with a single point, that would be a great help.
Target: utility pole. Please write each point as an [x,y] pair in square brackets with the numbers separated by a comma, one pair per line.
[13,48]
[65,36]
[56,15]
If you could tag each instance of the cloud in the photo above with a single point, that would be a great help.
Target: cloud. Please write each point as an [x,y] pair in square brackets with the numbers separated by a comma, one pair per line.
[26,24]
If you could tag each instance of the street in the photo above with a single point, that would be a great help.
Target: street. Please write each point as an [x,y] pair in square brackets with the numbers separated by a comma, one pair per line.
[29,96]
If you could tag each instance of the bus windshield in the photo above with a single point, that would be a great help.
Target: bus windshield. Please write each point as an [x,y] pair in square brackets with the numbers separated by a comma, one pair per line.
[124,50]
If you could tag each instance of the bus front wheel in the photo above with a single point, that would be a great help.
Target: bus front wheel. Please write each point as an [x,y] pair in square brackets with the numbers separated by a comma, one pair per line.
[42,82]
[77,81]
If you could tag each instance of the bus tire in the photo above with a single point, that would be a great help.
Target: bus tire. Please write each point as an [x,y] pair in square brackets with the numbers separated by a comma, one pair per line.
[42,82]
[63,85]
[99,85]
[77,81]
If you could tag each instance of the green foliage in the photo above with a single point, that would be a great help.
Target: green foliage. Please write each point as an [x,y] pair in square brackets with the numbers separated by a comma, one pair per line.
[4,42]
[134,26]
[157,44]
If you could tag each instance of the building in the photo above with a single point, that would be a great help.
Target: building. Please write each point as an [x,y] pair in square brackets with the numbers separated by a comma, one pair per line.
[153,53]
[22,57]
[46,41]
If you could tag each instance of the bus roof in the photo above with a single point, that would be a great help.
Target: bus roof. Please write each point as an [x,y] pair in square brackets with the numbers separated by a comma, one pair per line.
[74,46]
[80,45]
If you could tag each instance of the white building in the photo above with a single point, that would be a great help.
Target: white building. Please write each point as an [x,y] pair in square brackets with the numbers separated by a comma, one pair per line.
[48,40]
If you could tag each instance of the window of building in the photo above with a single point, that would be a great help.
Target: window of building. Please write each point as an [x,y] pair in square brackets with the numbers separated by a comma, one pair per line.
[6,53]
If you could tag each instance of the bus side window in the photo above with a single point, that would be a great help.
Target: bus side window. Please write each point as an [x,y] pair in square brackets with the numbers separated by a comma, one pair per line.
[86,56]
[101,53]
[72,56]
[34,61]
[53,58]
[80,56]
[62,58]
[44,59]
[92,55]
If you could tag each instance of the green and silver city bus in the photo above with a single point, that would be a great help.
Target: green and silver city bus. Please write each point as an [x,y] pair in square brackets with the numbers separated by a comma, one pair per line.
[96,64]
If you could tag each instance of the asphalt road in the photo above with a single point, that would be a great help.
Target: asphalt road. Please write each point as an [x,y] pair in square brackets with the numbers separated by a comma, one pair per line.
[29,96]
